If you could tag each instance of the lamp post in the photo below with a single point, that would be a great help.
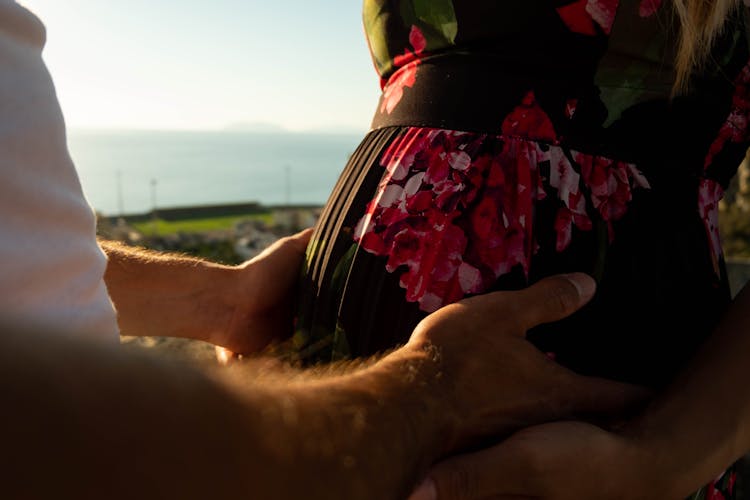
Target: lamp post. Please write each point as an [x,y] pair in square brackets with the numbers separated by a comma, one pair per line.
[153,206]
[288,185]
[120,201]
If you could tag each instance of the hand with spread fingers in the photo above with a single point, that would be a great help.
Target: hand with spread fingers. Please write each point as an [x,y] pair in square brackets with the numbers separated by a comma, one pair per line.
[466,374]
[511,384]
[682,440]
[556,461]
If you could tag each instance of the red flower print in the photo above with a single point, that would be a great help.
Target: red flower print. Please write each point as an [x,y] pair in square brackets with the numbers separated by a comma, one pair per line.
[469,278]
[418,45]
[567,182]
[710,193]
[419,202]
[562,175]
[433,256]
[603,13]
[570,108]
[520,193]
[529,121]
[401,154]
[582,16]
[637,177]
[576,18]
[712,493]
[459,160]
[417,40]
[373,241]
[610,183]
[452,216]
[649,7]
[485,218]
[735,128]
[720,488]
[573,213]
[416,221]
[394,90]
[406,75]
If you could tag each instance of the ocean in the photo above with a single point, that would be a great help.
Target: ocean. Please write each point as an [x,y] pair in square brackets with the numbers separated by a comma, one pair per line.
[131,172]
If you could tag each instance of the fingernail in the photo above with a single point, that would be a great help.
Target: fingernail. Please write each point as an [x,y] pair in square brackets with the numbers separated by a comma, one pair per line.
[584,283]
[425,491]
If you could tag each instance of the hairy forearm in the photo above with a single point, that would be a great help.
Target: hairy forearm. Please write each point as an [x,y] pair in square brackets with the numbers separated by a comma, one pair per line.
[167,295]
[701,424]
[363,435]
[88,419]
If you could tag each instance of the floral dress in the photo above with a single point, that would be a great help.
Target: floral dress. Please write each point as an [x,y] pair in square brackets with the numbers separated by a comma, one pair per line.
[519,139]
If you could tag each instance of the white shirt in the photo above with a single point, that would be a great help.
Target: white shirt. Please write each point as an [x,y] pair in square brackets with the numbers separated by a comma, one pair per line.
[51,267]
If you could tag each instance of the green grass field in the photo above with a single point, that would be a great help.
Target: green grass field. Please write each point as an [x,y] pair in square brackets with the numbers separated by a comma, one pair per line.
[162,227]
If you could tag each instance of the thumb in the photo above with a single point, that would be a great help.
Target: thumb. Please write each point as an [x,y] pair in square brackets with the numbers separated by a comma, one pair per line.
[296,243]
[287,251]
[491,473]
[300,240]
[546,301]
[554,298]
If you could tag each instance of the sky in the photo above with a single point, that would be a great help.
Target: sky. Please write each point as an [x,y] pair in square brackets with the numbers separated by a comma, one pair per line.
[208,65]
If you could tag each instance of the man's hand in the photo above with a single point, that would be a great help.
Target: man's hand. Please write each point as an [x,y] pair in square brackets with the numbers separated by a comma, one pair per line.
[262,298]
[240,308]
[694,429]
[498,381]
[368,434]
[557,461]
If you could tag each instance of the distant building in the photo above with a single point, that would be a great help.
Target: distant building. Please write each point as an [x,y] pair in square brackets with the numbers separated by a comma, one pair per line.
[296,218]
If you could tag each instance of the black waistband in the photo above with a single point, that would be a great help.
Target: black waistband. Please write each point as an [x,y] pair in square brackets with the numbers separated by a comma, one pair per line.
[476,92]
[479,92]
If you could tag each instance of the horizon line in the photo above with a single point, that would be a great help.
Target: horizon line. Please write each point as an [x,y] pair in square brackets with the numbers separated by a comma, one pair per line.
[271,129]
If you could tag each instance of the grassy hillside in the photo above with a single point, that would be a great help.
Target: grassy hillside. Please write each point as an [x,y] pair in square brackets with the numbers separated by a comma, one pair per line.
[164,228]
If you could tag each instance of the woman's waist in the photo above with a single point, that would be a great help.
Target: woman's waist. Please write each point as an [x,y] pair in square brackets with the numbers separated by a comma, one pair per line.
[485,92]
[495,94]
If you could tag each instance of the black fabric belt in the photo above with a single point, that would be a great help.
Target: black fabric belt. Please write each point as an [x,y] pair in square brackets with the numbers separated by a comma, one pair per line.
[476,91]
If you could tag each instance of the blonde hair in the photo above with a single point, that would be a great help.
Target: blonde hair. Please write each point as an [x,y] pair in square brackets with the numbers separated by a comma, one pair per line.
[701,21]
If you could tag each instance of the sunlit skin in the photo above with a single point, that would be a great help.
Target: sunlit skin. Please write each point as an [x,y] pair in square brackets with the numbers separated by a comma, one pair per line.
[158,294]
[104,420]
[677,450]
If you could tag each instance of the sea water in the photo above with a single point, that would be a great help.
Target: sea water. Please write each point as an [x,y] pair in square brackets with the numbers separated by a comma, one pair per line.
[133,172]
